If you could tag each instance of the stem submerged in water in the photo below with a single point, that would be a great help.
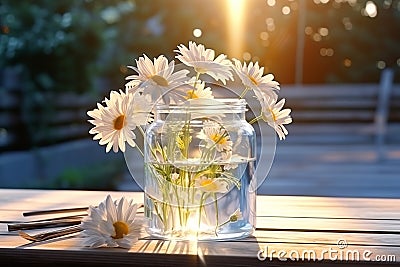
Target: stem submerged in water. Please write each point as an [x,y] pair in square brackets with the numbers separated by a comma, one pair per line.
[216,212]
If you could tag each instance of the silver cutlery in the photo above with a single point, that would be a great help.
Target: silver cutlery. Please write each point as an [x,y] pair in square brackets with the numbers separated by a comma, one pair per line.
[55,222]
[51,234]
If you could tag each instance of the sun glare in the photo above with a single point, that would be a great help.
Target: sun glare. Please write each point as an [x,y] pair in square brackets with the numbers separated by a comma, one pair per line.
[236,26]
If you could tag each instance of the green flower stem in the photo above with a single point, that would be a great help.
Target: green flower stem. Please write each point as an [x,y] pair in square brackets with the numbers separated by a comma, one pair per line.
[178,204]
[212,147]
[186,142]
[164,206]
[255,119]
[141,131]
[197,79]
[157,211]
[219,226]
[244,92]
[201,207]
[216,212]
[140,151]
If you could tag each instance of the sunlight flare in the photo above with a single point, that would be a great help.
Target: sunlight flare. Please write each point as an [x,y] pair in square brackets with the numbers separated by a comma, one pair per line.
[236,26]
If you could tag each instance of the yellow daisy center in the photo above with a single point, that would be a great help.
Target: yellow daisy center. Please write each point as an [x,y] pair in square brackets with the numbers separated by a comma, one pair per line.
[159,80]
[209,185]
[218,139]
[234,218]
[273,114]
[119,122]
[121,229]
[253,80]
[200,70]
[191,94]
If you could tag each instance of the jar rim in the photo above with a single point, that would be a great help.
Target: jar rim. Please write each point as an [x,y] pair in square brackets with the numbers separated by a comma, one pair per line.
[218,104]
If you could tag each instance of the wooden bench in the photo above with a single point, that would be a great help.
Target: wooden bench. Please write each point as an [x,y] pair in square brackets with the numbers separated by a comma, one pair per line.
[41,119]
[293,231]
[345,113]
[344,141]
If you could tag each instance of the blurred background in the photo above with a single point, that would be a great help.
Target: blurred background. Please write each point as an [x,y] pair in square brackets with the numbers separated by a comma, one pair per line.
[338,62]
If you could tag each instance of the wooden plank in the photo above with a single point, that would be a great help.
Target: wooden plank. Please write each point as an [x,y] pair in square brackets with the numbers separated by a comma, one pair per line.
[247,249]
[269,236]
[66,116]
[24,200]
[322,224]
[329,116]
[299,206]
[72,100]
[337,128]
[329,90]
[332,103]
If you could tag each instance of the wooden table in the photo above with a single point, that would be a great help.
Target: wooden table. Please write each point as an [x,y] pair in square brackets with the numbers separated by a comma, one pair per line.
[290,231]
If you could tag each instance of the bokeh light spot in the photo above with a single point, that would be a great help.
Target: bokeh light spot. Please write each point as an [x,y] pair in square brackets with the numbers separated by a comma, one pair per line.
[271,2]
[381,64]
[323,31]
[264,36]
[317,37]
[246,56]
[197,33]
[370,9]
[308,30]
[285,10]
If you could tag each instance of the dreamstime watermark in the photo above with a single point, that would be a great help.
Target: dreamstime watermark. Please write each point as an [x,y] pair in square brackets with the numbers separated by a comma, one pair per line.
[340,252]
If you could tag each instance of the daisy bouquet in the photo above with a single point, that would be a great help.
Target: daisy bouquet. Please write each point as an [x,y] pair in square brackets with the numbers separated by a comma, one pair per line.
[199,150]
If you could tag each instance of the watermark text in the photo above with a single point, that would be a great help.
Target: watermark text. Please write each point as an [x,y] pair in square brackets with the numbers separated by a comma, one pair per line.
[339,253]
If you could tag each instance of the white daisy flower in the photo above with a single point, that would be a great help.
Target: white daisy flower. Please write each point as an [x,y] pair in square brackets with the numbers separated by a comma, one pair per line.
[111,224]
[157,77]
[226,156]
[113,122]
[204,62]
[219,137]
[141,109]
[252,77]
[199,90]
[208,185]
[273,114]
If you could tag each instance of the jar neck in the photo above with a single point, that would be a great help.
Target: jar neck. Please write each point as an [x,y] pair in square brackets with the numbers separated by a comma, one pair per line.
[229,109]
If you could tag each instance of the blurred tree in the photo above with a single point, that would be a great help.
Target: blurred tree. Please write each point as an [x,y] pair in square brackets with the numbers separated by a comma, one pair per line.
[54,43]
[345,43]
[47,47]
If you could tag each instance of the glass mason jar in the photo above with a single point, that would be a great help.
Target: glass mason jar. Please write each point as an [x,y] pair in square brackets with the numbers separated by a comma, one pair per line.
[199,168]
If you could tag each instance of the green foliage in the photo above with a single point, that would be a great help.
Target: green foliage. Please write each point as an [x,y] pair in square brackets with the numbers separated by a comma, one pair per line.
[55,43]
